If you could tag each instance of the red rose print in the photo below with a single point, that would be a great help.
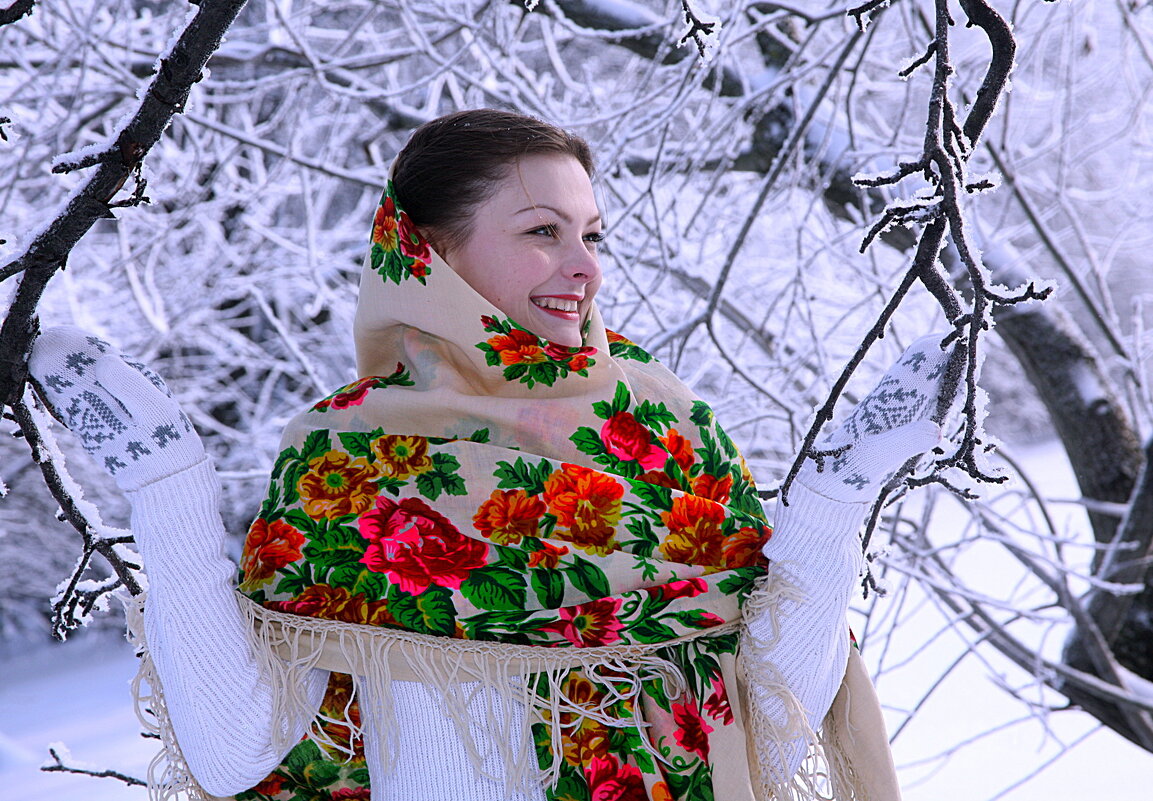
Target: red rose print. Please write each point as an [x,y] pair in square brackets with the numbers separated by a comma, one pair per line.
[417,547]
[412,244]
[268,547]
[594,623]
[351,794]
[628,440]
[683,588]
[609,780]
[717,705]
[692,732]
[353,394]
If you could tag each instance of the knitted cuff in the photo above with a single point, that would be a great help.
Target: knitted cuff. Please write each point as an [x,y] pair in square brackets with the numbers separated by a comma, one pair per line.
[812,523]
[176,523]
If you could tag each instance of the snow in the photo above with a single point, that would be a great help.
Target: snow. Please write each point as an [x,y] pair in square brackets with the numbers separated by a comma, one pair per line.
[73,695]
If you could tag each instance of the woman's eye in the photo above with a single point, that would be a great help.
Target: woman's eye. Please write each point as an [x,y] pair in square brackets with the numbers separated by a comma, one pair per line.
[546,230]
[599,236]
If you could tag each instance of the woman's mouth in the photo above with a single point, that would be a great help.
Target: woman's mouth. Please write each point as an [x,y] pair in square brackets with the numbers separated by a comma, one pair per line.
[564,308]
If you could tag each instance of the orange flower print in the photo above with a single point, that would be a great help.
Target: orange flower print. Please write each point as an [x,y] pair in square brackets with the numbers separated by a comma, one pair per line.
[680,449]
[336,603]
[336,485]
[695,535]
[713,488]
[517,347]
[692,732]
[594,623]
[584,738]
[337,711]
[743,549]
[399,456]
[384,226]
[268,547]
[660,478]
[547,556]
[588,504]
[509,516]
[661,792]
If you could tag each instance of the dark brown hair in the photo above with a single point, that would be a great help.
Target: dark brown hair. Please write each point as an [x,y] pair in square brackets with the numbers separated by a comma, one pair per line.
[452,164]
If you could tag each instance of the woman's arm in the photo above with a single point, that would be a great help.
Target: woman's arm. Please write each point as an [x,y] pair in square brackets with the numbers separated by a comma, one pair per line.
[220,708]
[815,548]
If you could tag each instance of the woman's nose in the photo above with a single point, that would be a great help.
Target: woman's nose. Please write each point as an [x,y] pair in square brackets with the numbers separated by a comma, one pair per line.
[582,264]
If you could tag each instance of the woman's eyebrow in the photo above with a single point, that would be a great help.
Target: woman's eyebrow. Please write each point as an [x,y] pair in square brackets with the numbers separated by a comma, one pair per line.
[557,212]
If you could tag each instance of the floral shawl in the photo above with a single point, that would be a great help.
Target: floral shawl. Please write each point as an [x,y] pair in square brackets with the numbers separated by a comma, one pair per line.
[566,526]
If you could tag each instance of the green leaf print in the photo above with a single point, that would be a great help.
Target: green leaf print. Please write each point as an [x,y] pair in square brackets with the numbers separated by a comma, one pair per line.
[587,577]
[495,588]
[317,443]
[621,399]
[442,478]
[548,584]
[653,495]
[357,444]
[522,475]
[431,612]
[701,414]
[646,631]
[588,441]
[322,773]
[334,545]
[359,580]
[654,416]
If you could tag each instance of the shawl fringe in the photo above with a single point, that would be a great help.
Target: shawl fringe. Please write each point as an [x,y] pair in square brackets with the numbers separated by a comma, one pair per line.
[481,686]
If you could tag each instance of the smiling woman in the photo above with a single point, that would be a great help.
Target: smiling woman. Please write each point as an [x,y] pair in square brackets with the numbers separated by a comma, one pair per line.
[516,558]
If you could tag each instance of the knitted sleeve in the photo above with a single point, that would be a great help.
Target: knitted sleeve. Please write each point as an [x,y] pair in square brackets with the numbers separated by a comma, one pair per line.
[221,710]
[814,549]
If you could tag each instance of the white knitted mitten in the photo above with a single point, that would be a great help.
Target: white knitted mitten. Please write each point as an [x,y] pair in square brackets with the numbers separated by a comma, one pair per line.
[898,420]
[122,411]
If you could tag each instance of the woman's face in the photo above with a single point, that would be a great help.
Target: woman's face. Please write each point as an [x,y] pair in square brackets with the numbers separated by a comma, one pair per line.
[531,249]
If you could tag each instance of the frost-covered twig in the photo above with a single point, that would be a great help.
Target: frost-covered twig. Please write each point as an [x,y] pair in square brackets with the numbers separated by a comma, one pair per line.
[58,766]
[76,598]
[947,146]
[703,29]
[48,251]
[16,11]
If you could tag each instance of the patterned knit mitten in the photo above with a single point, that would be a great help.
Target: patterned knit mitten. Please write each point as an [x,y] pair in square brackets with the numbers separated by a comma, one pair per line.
[900,419]
[121,410]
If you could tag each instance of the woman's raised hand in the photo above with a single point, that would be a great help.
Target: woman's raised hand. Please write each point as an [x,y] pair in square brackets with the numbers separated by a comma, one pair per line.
[122,411]
[900,419]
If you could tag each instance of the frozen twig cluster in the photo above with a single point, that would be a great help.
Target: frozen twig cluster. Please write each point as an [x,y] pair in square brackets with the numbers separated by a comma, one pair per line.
[948,144]
[48,252]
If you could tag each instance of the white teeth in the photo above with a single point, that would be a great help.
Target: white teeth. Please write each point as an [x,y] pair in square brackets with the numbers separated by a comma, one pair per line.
[556,303]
